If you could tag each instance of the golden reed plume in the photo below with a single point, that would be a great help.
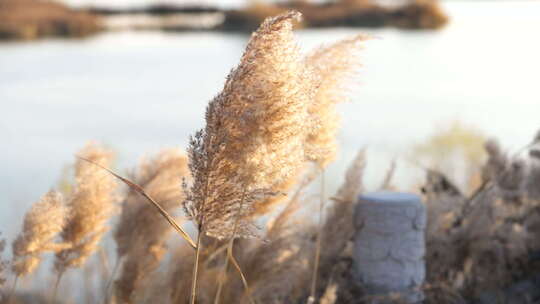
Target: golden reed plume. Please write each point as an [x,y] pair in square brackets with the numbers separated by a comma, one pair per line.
[254,134]
[141,233]
[42,224]
[91,204]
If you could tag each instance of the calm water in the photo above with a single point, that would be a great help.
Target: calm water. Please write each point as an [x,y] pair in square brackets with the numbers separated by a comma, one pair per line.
[138,92]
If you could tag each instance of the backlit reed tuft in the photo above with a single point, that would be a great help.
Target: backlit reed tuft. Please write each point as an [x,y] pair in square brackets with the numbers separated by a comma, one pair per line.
[336,67]
[141,232]
[254,134]
[42,224]
[91,204]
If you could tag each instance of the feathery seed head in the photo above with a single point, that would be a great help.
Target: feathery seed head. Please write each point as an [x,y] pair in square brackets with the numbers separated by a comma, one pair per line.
[141,233]
[336,66]
[254,134]
[42,223]
[91,204]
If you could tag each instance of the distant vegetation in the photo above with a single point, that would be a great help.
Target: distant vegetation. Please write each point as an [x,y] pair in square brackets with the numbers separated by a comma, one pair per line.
[31,19]
[415,14]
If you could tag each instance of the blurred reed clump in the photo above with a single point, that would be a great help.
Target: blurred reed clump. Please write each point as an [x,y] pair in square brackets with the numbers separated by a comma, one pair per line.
[269,134]
[31,19]
[486,245]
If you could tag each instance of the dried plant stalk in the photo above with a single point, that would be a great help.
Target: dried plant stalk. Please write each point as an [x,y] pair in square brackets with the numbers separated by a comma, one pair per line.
[90,204]
[42,224]
[337,229]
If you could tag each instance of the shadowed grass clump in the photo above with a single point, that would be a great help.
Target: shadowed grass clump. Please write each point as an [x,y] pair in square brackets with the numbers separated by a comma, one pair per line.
[492,234]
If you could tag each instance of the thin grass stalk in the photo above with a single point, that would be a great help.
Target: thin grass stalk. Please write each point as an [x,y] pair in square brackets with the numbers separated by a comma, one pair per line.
[141,191]
[318,244]
[198,248]
[56,285]
[214,254]
[242,276]
[196,268]
[109,282]
[222,279]
[230,256]
[12,291]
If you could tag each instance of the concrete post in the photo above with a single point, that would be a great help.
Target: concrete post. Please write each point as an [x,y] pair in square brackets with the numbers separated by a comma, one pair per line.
[389,246]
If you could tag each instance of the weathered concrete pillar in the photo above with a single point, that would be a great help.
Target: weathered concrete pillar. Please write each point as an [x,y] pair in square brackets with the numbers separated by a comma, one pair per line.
[389,245]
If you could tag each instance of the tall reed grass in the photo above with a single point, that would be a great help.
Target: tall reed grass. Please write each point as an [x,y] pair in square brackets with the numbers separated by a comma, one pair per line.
[269,135]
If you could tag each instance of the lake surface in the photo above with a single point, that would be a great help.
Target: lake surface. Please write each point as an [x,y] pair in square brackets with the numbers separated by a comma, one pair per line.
[140,91]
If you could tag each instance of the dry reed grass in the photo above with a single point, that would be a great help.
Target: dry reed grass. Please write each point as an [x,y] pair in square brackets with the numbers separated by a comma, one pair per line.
[91,204]
[42,225]
[496,225]
[254,134]
[141,233]
[273,120]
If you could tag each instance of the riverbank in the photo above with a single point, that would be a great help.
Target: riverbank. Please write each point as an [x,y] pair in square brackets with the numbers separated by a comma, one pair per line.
[346,13]
[32,19]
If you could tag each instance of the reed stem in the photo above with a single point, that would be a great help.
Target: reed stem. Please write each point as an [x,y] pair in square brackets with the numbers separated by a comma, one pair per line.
[109,282]
[196,268]
[318,244]
[56,285]
[222,277]
[12,291]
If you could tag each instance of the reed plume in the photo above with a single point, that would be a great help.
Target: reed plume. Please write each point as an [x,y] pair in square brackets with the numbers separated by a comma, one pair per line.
[42,224]
[141,232]
[336,67]
[91,204]
[254,134]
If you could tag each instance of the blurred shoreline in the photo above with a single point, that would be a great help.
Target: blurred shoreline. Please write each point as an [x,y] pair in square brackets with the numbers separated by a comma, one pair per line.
[32,19]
